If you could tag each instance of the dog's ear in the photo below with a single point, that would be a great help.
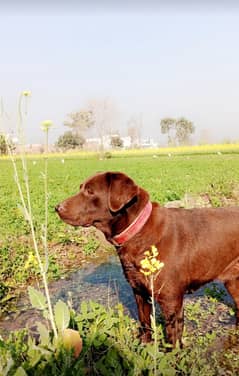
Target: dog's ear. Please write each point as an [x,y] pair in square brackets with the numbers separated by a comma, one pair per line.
[122,190]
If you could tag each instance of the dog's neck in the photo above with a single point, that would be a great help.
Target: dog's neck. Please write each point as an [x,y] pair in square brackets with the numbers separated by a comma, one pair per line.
[131,220]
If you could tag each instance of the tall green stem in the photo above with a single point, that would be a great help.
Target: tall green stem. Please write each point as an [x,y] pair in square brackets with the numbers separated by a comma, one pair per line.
[28,208]
[154,324]
[45,236]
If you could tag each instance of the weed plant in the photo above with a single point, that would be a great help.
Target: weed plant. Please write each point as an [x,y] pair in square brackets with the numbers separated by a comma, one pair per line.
[111,346]
[26,206]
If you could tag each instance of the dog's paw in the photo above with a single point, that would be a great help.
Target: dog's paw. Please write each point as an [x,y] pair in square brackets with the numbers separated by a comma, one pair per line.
[145,338]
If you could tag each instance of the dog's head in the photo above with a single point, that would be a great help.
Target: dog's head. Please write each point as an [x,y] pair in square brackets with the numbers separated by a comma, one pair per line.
[100,199]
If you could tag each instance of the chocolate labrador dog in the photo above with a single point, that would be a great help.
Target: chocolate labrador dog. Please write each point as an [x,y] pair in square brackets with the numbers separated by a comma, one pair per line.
[196,246]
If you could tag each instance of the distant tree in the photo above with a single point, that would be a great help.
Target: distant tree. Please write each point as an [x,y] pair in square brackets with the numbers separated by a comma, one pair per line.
[79,121]
[178,130]
[134,129]
[103,111]
[70,140]
[184,128]
[116,141]
[168,127]
[133,134]
[3,145]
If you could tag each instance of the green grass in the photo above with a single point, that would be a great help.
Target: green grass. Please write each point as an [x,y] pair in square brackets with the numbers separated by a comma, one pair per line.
[165,178]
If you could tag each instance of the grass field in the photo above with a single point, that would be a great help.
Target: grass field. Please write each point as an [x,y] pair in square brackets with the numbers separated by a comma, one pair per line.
[167,178]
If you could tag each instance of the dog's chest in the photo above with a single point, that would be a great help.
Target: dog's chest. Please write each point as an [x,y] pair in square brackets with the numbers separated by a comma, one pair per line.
[132,272]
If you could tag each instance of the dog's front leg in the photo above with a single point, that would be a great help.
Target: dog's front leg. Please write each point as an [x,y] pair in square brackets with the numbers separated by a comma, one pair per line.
[173,314]
[144,311]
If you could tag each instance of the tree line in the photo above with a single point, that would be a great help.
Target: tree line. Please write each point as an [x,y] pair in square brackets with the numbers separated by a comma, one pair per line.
[178,130]
[99,114]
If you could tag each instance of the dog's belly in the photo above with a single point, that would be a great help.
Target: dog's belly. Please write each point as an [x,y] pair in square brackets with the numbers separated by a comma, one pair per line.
[195,286]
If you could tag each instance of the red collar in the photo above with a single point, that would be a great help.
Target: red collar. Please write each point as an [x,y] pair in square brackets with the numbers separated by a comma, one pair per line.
[135,226]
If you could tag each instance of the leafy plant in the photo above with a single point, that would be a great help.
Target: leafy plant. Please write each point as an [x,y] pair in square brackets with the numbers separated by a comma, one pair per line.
[3,290]
[215,291]
[111,346]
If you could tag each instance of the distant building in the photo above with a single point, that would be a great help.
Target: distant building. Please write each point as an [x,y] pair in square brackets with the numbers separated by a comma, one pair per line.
[94,143]
[127,142]
[31,148]
[148,143]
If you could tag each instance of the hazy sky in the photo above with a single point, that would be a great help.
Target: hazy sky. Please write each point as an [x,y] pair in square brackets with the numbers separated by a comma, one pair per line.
[157,61]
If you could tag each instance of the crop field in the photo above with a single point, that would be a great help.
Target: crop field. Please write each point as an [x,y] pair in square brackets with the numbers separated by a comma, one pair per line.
[166,177]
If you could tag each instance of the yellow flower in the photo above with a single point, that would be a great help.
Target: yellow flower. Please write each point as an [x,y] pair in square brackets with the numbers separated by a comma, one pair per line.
[46,124]
[31,261]
[154,251]
[26,93]
[150,264]
[145,263]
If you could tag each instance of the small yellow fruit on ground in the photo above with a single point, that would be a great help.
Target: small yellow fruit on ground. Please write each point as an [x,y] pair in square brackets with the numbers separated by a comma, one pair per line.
[72,340]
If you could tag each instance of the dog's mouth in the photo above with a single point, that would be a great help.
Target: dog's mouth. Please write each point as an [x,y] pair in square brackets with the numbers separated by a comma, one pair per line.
[73,221]
[96,222]
[78,222]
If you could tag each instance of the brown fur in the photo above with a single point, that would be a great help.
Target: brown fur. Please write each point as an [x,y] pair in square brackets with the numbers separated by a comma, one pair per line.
[196,246]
